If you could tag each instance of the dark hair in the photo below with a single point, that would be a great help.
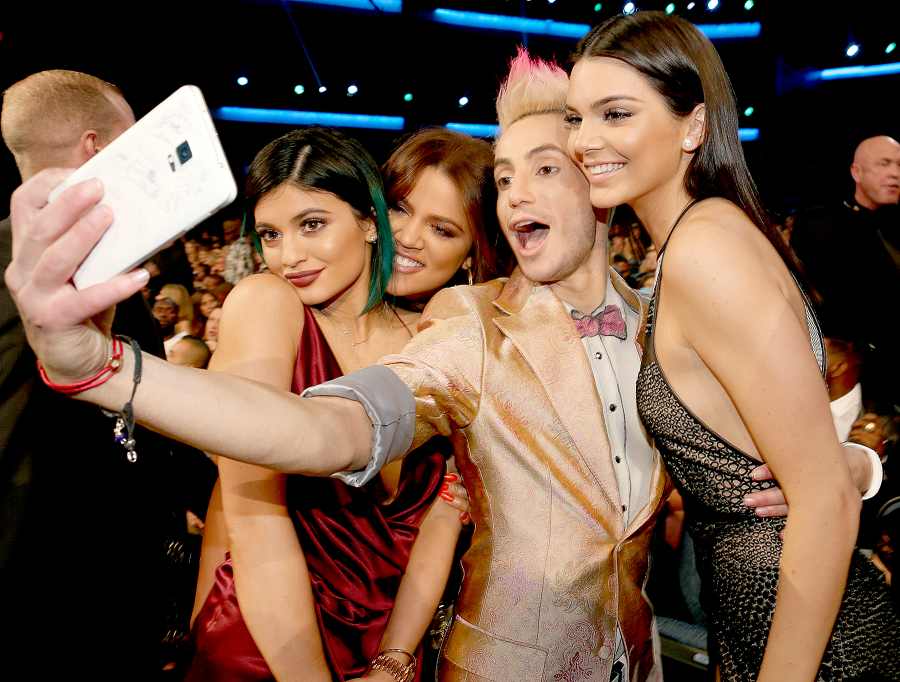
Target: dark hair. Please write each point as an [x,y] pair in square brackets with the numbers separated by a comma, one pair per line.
[328,161]
[469,163]
[685,69]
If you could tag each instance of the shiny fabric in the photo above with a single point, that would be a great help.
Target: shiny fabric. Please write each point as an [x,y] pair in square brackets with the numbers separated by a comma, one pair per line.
[356,549]
[552,565]
[739,553]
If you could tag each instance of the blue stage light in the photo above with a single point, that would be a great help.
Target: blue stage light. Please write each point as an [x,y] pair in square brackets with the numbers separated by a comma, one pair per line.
[391,6]
[308,118]
[501,22]
[842,72]
[475,129]
[562,29]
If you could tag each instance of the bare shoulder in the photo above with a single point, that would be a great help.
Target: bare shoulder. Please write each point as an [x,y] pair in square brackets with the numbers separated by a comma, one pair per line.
[263,289]
[719,251]
[263,307]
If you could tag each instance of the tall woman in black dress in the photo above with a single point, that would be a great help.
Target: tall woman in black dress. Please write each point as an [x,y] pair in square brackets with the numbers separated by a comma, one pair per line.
[733,362]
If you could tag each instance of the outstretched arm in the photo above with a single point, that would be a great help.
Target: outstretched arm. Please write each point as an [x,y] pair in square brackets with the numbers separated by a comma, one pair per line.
[69,331]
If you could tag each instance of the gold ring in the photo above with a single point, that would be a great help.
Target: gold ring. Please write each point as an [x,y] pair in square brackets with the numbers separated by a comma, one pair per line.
[870,427]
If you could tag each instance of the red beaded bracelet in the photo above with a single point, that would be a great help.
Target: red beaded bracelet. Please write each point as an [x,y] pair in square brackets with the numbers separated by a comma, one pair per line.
[113,364]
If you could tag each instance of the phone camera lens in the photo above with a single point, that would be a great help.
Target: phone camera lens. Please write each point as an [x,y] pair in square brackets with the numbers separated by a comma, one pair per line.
[184,152]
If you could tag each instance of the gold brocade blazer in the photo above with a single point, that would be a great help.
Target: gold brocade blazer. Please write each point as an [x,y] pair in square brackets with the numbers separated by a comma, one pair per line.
[552,567]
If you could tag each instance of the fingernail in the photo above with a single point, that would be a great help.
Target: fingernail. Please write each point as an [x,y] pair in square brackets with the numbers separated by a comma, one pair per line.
[445,487]
[762,511]
[464,517]
[96,185]
[749,500]
[447,496]
[451,477]
[140,276]
[756,474]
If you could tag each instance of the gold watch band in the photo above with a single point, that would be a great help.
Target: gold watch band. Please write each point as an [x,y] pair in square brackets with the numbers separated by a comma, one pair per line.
[402,672]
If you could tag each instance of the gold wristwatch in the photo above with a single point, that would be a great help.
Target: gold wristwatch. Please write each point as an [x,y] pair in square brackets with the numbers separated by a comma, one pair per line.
[399,671]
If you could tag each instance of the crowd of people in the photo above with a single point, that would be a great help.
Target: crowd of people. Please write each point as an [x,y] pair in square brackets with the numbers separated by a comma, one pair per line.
[459,352]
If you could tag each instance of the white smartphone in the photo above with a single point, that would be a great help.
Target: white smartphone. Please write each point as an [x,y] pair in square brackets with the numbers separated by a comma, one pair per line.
[161,177]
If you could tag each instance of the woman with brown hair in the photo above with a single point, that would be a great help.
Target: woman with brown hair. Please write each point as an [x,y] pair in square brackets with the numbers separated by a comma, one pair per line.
[732,372]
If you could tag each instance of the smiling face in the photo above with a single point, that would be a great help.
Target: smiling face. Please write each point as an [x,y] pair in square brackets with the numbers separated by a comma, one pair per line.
[543,202]
[623,136]
[432,236]
[315,241]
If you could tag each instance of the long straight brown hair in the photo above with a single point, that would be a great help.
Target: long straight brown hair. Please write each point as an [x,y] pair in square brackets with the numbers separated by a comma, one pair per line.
[685,69]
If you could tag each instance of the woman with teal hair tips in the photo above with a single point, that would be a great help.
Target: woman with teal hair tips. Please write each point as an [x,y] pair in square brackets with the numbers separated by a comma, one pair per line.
[300,576]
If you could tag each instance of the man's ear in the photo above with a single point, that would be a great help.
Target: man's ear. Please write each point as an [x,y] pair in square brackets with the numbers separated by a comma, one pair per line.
[88,145]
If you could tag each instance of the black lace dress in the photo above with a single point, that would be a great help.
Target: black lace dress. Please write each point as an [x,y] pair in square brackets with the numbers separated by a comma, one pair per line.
[738,553]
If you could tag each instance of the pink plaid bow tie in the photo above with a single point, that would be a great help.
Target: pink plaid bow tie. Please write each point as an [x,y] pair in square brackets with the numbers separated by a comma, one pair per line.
[607,322]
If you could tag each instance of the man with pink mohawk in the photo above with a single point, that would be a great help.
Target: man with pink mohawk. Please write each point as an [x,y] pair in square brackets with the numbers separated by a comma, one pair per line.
[535,375]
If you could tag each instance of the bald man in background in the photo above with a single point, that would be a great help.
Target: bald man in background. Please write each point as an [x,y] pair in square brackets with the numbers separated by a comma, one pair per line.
[850,253]
[81,537]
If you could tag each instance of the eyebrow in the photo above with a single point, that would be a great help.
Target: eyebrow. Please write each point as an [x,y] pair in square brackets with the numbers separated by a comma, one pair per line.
[534,152]
[444,219]
[296,219]
[606,100]
[432,216]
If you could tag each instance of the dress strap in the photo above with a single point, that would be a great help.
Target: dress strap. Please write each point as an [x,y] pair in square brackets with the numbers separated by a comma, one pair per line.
[674,225]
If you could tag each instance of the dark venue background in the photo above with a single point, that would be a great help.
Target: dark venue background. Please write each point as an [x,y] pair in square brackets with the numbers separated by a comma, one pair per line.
[807,130]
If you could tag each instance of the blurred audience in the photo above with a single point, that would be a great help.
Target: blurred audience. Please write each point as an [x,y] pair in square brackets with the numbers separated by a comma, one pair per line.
[190,352]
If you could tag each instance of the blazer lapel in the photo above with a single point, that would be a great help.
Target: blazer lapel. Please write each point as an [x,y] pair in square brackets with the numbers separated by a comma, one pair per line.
[536,323]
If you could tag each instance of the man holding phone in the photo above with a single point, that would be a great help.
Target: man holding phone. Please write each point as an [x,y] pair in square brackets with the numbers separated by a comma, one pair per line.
[80,537]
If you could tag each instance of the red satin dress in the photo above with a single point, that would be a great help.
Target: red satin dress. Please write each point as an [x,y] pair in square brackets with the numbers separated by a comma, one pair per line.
[356,550]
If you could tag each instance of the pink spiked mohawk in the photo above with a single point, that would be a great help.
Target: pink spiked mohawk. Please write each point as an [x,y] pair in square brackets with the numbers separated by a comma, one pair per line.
[533,86]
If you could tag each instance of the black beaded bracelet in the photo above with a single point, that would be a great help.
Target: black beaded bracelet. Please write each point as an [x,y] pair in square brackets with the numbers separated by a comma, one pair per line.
[123,431]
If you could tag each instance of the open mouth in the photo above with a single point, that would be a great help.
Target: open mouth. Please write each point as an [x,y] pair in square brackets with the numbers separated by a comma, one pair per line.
[406,264]
[530,233]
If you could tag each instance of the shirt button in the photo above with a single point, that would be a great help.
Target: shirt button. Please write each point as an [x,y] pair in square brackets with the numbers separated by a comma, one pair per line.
[623,507]
[599,356]
[618,460]
[612,408]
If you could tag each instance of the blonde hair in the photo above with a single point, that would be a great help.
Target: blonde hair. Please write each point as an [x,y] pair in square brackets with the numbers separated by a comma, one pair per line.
[179,295]
[533,86]
[46,113]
